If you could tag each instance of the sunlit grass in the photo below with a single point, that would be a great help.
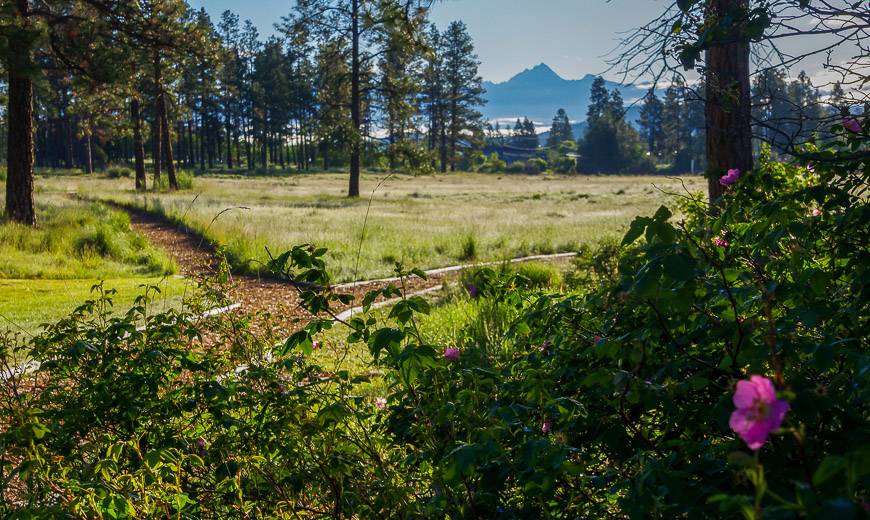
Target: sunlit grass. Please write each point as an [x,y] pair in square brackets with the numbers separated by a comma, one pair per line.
[75,240]
[425,222]
[27,304]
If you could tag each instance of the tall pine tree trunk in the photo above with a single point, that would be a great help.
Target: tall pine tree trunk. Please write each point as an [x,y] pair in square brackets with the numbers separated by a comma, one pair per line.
[353,189]
[156,142]
[138,144]
[20,146]
[728,105]
[229,145]
[191,151]
[167,142]
[20,150]
[89,149]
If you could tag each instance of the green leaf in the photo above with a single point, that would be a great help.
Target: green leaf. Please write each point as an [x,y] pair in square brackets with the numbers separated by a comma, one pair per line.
[830,467]
[635,230]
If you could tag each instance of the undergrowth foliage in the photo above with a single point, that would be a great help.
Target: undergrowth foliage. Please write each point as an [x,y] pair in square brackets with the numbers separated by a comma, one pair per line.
[621,398]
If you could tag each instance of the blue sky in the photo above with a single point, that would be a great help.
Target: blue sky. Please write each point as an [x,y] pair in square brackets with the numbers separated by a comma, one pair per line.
[571,36]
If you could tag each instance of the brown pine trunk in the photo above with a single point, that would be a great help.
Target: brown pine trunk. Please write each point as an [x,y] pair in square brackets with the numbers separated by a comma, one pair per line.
[20,145]
[728,106]
[353,189]
[89,150]
[157,124]
[167,142]
[67,141]
[19,162]
[138,145]
[156,143]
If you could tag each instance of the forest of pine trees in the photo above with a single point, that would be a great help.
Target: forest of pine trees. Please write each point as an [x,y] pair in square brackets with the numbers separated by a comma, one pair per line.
[344,83]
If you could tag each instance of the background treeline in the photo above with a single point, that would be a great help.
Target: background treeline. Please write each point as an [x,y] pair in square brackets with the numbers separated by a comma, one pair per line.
[668,133]
[230,99]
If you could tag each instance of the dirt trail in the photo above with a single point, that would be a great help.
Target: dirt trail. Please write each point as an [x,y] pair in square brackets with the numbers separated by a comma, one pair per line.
[195,258]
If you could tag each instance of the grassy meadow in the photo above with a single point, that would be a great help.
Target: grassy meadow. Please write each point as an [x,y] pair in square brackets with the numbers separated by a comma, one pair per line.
[47,272]
[427,221]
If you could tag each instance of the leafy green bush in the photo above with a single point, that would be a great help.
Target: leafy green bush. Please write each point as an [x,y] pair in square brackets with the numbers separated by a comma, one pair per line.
[117,172]
[564,165]
[2,173]
[535,165]
[493,164]
[516,167]
[723,371]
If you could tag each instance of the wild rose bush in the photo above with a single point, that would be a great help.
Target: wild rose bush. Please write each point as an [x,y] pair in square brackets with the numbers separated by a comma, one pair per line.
[721,372]
[724,374]
[186,418]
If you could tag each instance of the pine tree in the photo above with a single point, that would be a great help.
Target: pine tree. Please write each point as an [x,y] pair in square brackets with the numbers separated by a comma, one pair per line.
[560,131]
[599,100]
[464,88]
[650,122]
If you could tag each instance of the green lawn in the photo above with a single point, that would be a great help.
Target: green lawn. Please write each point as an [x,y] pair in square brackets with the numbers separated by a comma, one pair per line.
[27,304]
[426,222]
[47,272]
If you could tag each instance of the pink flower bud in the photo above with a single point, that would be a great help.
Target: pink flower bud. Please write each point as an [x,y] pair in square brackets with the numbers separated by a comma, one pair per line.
[546,426]
[851,124]
[730,178]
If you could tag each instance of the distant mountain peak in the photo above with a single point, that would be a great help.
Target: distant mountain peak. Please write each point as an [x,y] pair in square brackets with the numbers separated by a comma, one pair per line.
[538,92]
[539,73]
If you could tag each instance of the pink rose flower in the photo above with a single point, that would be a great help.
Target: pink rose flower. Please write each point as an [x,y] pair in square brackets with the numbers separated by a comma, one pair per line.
[315,345]
[721,242]
[851,124]
[451,354]
[546,426]
[596,340]
[545,346]
[758,411]
[381,403]
[817,212]
[730,178]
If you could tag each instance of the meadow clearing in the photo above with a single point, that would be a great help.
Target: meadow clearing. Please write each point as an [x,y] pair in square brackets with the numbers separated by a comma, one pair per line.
[425,221]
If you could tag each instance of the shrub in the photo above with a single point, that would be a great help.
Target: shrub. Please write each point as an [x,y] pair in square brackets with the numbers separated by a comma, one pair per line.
[535,165]
[516,167]
[629,398]
[117,172]
[564,165]
[493,164]
[2,173]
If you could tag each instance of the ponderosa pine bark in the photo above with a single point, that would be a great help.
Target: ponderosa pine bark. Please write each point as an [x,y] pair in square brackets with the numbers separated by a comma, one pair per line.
[728,107]
[20,145]
[138,145]
[166,135]
[353,189]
